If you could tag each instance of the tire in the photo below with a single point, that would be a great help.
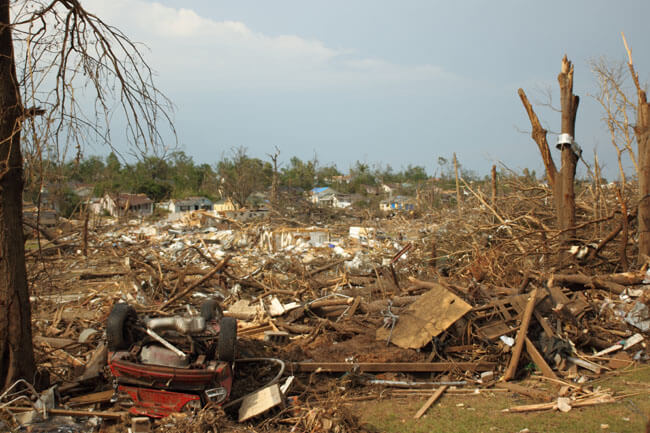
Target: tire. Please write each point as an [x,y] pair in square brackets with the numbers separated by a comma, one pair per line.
[227,339]
[211,310]
[118,334]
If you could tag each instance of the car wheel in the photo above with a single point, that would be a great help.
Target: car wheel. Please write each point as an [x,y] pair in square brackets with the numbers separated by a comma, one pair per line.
[211,310]
[118,334]
[227,339]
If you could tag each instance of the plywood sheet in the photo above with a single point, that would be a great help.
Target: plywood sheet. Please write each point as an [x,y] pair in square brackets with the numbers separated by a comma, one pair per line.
[431,314]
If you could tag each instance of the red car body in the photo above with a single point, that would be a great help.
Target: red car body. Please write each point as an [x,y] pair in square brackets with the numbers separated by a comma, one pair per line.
[158,390]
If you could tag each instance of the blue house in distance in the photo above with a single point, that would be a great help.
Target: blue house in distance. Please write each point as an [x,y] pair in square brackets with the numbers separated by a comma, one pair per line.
[398,203]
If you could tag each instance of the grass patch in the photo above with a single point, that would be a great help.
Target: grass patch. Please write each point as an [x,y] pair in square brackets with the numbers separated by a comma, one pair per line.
[482,413]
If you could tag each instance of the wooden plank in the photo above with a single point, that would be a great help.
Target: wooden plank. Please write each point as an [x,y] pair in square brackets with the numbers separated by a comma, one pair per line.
[259,402]
[585,364]
[55,342]
[88,413]
[353,308]
[436,395]
[599,399]
[530,392]
[521,335]
[96,397]
[337,367]
[539,360]
[545,325]
[96,363]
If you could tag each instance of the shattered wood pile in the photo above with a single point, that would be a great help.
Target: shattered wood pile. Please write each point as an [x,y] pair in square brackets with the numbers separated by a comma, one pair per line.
[431,302]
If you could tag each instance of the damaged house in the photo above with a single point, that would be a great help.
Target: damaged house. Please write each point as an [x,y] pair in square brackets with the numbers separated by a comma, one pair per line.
[188,204]
[328,197]
[123,203]
[399,203]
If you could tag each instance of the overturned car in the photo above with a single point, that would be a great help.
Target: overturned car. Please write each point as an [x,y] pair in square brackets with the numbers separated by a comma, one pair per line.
[171,364]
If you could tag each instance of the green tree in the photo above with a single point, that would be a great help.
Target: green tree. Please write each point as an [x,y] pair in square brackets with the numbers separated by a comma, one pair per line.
[241,175]
[88,170]
[299,173]
[151,176]
[325,174]
[414,174]
[361,176]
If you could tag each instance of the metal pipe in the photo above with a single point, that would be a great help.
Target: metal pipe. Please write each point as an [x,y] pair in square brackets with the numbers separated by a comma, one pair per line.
[405,383]
[166,343]
[184,325]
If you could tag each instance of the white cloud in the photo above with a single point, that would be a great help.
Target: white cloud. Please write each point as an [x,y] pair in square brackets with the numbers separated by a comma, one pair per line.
[187,47]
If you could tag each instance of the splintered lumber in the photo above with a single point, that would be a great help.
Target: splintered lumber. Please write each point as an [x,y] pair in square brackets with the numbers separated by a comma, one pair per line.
[96,397]
[585,364]
[197,283]
[539,361]
[544,323]
[597,282]
[73,412]
[588,401]
[87,275]
[324,268]
[625,344]
[339,367]
[435,396]
[55,342]
[521,336]
[530,392]
[88,413]
[430,315]
[330,302]
[254,331]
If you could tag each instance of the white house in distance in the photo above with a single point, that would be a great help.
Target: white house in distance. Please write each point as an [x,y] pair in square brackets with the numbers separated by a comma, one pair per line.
[320,194]
[121,204]
[328,197]
[188,204]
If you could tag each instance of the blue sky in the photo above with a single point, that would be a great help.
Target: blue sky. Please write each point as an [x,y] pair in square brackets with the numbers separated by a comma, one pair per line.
[390,82]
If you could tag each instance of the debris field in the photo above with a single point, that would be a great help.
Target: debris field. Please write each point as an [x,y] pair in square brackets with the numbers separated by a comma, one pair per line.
[334,306]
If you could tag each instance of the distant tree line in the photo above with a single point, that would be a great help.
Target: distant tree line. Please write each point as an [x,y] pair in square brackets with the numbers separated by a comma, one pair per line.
[236,176]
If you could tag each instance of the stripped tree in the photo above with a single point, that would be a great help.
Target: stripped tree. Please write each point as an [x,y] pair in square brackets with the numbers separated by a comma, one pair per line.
[74,72]
[561,182]
[642,132]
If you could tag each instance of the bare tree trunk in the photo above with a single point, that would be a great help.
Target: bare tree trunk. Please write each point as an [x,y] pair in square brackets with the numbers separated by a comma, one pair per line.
[566,200]
[643,140]
[598,193]
[561,183]
[275,180]
[642,132]
[85,231]
[494,187]
[16,351]
[624,262]
[457,183]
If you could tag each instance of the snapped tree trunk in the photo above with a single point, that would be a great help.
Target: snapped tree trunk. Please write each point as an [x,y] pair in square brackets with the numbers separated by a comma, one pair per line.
[566,199]
[562,182]
[16,351]
[458,197]
[642,132]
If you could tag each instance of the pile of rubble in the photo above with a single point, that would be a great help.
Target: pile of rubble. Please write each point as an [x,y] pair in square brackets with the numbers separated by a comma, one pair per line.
[425,304]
